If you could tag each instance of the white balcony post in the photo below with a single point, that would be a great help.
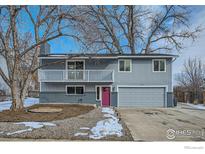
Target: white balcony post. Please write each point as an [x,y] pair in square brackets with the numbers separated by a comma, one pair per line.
[88,75]
[66,75]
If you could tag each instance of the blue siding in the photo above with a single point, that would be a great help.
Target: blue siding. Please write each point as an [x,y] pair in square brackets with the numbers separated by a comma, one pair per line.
[61,97]
[141,74]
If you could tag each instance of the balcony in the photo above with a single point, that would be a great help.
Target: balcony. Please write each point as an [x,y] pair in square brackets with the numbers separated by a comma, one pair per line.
[50,75]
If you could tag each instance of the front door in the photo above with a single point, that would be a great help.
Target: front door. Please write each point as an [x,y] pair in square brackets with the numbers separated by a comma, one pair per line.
[105,96]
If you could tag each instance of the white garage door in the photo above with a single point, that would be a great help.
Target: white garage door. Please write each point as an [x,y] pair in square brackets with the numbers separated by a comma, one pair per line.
[141,97]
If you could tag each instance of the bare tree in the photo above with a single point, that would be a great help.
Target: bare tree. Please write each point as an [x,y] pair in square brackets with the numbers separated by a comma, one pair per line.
[22,30]
[192,77]
[136,29]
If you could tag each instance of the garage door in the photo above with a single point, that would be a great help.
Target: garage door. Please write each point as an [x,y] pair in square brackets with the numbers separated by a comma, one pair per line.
[141,97]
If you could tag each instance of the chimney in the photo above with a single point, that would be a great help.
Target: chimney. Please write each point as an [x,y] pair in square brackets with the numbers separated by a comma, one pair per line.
[45,49]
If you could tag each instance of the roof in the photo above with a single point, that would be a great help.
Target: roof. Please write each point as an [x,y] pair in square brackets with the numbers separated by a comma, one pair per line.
[105,56]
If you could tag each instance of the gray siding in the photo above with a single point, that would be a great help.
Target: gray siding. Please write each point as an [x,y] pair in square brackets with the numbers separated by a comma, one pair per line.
[60,63]
[114,99]
[61,97]
[170,102]
[141,74]
[61,87]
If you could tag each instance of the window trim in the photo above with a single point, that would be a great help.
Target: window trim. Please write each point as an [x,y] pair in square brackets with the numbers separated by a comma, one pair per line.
[100,95]
[119,66]
[75,89]
[165,65]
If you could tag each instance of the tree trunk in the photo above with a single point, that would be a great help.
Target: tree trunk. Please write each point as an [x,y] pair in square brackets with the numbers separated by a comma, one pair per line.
[17,101]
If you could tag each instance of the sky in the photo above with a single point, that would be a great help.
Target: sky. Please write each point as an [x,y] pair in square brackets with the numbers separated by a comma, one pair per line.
[193,49]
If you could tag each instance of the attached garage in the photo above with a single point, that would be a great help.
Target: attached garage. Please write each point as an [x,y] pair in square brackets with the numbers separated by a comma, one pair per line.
[141,96]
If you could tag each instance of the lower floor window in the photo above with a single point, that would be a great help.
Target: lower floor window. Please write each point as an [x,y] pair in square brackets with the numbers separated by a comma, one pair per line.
[72,90]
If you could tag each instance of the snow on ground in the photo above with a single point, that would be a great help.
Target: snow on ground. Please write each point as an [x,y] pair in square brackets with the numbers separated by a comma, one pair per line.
[107,110]
[36,124]
[110,116]
[30,101]
[197,106]
[5,105]
[31,125]
[84,128]
[106,127]
[81,134]
[20,131]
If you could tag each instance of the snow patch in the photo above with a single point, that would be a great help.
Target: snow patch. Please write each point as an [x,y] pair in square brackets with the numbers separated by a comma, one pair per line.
[1,132]
[107,110]
[111,116]
[84,128]
[106,127]
[5,105]
[197,106]
[81,134]
[31,125]
[30,101]
[36,125]
[20,131]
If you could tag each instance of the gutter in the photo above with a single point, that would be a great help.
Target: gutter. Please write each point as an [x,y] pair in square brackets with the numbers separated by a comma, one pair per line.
[116,57]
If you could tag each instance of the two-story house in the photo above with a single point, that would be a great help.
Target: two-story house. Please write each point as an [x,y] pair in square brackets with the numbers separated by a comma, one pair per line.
[122,80]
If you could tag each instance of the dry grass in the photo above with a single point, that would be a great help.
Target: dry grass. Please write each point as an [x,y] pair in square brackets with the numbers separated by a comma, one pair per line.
[66,112]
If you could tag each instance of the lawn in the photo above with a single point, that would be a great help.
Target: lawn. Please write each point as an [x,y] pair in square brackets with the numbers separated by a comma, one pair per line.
[61,122]
[66,111]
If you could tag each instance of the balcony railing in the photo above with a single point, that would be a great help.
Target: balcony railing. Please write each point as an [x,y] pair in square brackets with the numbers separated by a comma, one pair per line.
[50,75]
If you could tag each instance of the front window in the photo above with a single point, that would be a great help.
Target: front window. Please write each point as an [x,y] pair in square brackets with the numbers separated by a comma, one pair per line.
[125,65]
[73,90]
[159,65]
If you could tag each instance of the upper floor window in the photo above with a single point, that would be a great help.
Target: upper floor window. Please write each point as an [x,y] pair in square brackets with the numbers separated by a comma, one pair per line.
[125,65]
[159,65]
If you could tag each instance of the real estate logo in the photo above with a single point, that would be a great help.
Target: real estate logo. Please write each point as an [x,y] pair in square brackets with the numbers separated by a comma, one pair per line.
[171,134]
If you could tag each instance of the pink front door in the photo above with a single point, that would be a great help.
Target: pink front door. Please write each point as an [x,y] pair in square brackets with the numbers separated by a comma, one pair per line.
[105,96]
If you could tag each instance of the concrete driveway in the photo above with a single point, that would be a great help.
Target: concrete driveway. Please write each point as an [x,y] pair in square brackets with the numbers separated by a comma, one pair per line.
[165,124]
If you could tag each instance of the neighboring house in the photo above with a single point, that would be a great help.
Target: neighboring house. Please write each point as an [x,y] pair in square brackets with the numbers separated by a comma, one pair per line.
[107,80]
[3,85]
